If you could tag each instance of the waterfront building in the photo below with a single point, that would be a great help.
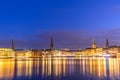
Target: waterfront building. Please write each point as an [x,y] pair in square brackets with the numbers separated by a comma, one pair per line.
[36,53]
[113,50]
[28,53]
[94,50]
[77,53]
[20,53]
[6,52]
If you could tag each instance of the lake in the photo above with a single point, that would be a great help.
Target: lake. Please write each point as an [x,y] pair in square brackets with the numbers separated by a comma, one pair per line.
[65,68]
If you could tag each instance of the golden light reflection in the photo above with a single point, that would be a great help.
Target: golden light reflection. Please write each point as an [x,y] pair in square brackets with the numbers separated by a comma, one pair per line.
[100,67]
[64,66]
[45,67]
[114,67]
[6,69]
[50,66]
[28,67]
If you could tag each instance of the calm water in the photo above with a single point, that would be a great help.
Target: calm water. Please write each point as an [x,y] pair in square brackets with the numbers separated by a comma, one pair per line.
[60,69]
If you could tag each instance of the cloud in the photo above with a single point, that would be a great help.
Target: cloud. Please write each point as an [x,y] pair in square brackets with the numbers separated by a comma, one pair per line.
[112,34]
[72,39]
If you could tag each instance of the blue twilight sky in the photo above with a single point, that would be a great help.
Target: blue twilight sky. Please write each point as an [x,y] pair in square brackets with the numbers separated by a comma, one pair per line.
[72,23]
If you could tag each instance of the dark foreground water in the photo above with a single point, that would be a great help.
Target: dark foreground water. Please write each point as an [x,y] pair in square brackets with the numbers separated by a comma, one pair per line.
[60,69]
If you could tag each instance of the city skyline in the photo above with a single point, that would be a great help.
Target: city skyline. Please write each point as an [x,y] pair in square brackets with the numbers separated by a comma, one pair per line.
[72,23]
[52,47]
[60,39]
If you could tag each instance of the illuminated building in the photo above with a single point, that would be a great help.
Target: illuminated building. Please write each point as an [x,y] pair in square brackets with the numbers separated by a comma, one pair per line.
[28,53]
[113,49]
[94,50]
[77,52]
[22,53]
[6,53]
[36,53]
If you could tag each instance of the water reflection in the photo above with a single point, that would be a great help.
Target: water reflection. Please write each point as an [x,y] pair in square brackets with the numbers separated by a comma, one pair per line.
[60,69]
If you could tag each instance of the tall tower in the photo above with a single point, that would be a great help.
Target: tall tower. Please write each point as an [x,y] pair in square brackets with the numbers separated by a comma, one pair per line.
[12,45]
[107,44]
[94,44]
[51,43]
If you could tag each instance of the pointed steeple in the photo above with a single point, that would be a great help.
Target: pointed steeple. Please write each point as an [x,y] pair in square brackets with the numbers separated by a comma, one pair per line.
[94,44]
[107,44]
[51,43]
[12,46]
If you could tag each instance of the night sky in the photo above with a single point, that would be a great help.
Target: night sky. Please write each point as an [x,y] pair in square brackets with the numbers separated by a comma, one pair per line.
[72,23]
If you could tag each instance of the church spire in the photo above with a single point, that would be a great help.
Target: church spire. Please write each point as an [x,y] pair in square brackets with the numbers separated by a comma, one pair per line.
[51,43]
[107,44]
[94,44]
[12,45]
